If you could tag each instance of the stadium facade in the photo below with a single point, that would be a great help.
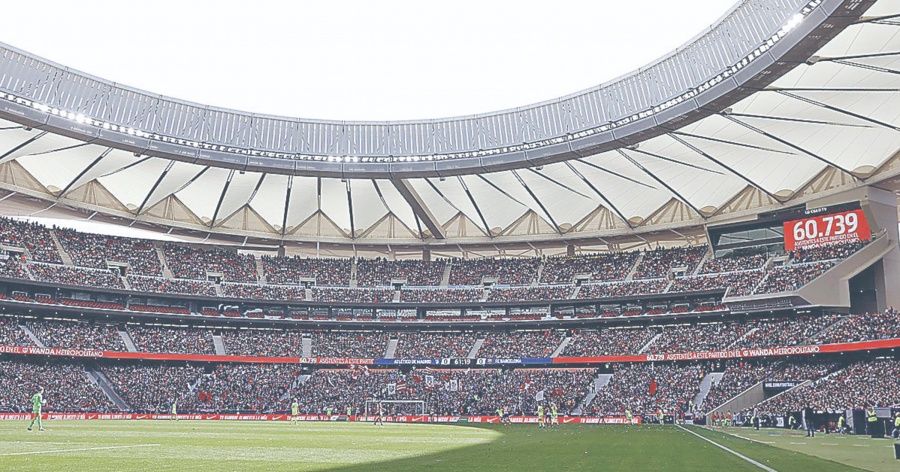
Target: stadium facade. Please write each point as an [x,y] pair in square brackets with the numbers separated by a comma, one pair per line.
[745,181]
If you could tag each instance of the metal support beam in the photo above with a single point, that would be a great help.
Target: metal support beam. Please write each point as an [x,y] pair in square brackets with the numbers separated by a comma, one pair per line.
[418,206]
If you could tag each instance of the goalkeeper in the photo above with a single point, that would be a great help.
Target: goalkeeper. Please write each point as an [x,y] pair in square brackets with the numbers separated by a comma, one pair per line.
[37,401]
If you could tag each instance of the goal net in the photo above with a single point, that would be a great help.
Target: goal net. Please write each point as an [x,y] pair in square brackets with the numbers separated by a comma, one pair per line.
[396,407]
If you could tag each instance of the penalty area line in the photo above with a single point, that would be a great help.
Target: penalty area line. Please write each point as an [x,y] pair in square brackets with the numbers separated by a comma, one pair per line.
[100,448]
[761,466]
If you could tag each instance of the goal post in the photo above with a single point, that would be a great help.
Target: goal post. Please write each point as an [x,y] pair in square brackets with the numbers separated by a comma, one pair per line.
[372,405]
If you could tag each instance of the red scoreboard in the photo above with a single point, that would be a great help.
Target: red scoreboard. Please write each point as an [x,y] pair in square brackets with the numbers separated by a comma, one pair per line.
[817,230]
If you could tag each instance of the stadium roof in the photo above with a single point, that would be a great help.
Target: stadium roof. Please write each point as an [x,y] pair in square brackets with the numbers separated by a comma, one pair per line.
[780,102]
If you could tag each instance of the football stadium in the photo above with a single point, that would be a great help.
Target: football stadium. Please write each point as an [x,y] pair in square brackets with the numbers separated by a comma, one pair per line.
[693,266]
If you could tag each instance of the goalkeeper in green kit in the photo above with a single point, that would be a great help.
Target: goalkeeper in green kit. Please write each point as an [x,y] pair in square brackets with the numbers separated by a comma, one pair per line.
[37,401]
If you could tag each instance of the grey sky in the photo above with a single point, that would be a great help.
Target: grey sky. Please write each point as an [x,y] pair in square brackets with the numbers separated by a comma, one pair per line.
[369,60]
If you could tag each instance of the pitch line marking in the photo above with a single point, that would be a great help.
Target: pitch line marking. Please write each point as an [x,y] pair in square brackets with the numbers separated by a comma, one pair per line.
[761,466]
[101,448]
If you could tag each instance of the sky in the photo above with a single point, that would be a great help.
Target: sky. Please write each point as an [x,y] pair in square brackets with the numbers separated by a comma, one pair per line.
[358,60]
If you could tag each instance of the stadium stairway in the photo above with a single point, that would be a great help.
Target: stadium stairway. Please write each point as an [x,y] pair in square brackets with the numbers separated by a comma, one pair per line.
[745,336]
[353,271]
[599,382]
[167,273]
[637,263]
[445,278]
[475,348]
[306,345]
[562,346]
[391,348]
[706,256]
[668,286]
[260,272]
[540,272]
[575,292]
[705,385]
[649,343]
[126,338]
[125,282]
[744,400]
[31,336]
[99,378]
[829,327]
[219,345]
[66,258]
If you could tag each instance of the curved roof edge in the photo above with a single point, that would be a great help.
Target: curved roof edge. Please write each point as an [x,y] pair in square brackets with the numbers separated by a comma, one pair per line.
[744,49]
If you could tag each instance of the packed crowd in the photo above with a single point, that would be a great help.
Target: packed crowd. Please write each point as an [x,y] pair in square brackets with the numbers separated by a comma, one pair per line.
[182,286]
[77,334]
[264,292]
[417,273]
[646,388]
[290,270]
[864,327]
[599,267]
[827,252]
[267,343]
[659,262]
[609,342]
[282,276]
[710,336]
[260,388]
[188,262]
[67,275]
[508,271]
[521,343]
[364,344]
[477,392]
[33,237]
[741,375]
[153,389]
[545,292]
[792,277]
[95,250]
[733,263]
[67,387]
[737,283]
[863,384]
[12,267]
[704,337]
[419,345]
[11,334]
[785,332]
[622,289]
[435,295]
[352,295]
[171,339]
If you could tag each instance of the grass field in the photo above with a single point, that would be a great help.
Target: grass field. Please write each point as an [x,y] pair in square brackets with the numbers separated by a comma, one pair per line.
[223,445]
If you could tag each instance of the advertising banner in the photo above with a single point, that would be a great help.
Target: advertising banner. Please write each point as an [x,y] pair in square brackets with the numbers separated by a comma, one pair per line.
[819,230]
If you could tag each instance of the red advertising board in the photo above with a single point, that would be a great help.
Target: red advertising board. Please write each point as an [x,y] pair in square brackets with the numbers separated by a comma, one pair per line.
[284,417]
[818,230]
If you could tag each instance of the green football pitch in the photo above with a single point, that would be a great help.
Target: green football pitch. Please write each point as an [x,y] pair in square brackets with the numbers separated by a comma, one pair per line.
[225,445]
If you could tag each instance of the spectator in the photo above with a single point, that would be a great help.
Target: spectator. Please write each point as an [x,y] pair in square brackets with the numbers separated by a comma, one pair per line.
[521,344]
[349,344]
[68,388]
[76,334]
[172,339]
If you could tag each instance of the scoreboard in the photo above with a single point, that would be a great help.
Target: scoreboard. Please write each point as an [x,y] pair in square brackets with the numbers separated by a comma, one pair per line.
[792,228]
[817,230]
